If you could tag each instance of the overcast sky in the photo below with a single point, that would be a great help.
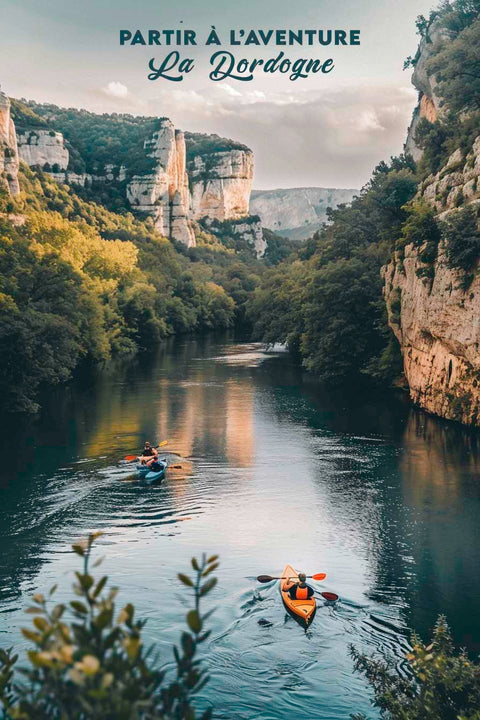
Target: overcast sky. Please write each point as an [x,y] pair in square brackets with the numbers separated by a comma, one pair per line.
[326,130]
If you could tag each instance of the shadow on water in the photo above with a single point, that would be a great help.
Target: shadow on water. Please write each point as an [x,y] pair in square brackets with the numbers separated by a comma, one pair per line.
[354,482]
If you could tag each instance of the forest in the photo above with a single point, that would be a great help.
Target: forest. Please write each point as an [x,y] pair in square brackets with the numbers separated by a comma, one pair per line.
[80,285]
[325,300]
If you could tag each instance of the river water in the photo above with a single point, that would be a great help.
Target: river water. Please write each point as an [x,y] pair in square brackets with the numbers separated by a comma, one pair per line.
[270,469]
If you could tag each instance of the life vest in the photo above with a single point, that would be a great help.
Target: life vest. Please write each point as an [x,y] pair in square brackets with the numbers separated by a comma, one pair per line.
[147,452]
[301,593]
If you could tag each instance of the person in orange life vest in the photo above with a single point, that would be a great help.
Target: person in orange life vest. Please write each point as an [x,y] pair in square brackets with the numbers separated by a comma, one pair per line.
[149,455]
[298,590]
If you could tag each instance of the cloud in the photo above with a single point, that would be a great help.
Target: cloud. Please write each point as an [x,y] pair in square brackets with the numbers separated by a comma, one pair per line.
[116,89]
[331,138]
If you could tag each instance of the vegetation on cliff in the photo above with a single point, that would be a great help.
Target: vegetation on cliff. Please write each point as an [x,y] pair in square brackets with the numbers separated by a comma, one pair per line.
[325,301]
[455,64]
[79,283]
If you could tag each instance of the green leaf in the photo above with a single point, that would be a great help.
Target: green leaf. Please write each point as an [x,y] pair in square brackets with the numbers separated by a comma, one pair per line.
[212,558]
[195,564]
[207,586]
[86,581]
[185,579]
[210,569]
[79,607]
[41,624]
[57,612]
[194,621]
[100,586]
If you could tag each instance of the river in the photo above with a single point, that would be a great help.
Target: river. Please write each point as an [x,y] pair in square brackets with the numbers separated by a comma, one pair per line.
[271,468]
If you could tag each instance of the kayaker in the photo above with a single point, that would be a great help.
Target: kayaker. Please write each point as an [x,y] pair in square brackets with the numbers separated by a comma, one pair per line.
[149,455]
[298,590]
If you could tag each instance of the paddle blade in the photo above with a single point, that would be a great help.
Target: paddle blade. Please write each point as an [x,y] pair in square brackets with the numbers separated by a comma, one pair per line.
[130,458]
[164,442]
[265,578]
[319,576]
[331,597]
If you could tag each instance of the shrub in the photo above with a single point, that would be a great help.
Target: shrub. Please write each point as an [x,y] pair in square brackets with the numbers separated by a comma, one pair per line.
[438,683]
[95,665]
[462,238]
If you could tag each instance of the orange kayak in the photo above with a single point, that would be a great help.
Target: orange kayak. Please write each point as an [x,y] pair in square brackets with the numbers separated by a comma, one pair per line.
[302,609]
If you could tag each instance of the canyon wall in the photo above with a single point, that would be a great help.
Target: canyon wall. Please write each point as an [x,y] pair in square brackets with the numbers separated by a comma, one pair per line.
[297,213]
[164,194]
[8,147]
[215,185]
[429,104]
[42,147]
[220,184]
[436,317]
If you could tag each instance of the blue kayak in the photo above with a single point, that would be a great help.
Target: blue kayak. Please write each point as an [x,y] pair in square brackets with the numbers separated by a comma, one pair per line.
[152,474]
[141,470]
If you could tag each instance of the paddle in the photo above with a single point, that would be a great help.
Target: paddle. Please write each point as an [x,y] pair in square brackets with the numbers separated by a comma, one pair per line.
[329,596]
[269,578]
[131,458]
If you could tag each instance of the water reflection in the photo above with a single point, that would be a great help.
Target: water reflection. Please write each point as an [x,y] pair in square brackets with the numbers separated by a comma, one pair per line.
[279,469]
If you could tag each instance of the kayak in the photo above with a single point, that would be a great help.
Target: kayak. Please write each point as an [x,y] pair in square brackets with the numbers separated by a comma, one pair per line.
[156,475]
[301,609]
[142,470]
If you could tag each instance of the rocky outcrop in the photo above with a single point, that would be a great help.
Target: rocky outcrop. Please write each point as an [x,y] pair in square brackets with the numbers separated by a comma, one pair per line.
[429,104]
[456,183]
[164,194]
[220,184]
[434,316]
[40,148]
[155,178]
[250,230]
[297,213]
[8,147]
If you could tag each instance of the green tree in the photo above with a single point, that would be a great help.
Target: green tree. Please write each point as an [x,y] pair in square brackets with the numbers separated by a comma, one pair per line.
[438,683]
[462,238]
[95,664]
[456,66]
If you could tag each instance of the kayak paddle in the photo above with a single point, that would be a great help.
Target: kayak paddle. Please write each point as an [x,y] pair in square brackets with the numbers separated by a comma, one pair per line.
[269,578]
[131,458]
[329,596]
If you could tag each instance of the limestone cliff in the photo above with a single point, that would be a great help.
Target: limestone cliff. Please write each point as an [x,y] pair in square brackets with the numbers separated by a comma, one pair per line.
[220,184]
[435,318]
[163,193]
[38,147]
[429,104]
[8,147]
[297,213]
[244,232]
[153,170]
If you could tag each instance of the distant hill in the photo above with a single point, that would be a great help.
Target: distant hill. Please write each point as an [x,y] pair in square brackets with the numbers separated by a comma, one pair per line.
[297,213]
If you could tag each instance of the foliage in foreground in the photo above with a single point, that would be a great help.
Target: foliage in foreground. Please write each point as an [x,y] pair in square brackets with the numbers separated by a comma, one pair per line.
[439,684]
[95,665]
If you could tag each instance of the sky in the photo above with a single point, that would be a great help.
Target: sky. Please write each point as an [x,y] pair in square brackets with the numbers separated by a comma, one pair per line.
[326,130]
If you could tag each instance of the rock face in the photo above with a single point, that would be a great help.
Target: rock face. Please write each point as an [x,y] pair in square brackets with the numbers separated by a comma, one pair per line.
[164,193]
[39,147]
[429,104]
[437,321]
[297,213]
[8,147]
[216,184]
[220,184]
